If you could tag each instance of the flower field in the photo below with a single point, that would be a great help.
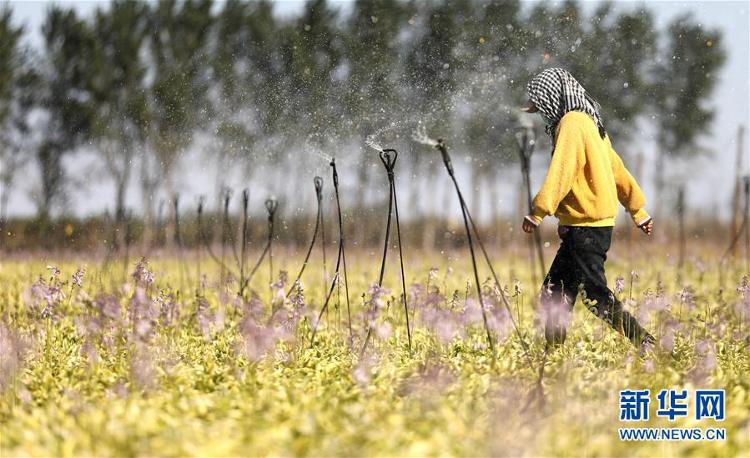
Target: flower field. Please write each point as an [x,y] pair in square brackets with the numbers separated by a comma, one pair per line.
[161,357]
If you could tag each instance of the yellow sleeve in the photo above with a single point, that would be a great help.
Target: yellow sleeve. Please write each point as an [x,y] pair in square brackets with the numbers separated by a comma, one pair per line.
[628,192]
[567,161]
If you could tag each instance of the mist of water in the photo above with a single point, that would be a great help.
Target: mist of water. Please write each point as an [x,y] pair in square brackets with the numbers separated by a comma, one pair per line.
[420,136]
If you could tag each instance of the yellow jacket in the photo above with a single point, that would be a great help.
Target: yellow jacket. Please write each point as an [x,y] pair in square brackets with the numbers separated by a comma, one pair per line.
[586,178]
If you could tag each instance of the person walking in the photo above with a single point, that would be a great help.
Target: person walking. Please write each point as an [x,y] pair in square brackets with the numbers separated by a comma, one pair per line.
[585,180]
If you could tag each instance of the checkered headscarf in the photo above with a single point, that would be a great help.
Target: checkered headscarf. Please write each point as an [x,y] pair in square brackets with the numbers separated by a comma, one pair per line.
[555,92]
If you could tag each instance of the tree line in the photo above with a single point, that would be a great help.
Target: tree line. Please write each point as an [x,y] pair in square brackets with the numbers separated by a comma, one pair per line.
[141,83]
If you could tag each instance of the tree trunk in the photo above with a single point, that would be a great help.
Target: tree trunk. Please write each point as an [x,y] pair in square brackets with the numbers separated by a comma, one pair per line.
[148,191]
[52,178]
[659,182]
[122,180]
[430,214]
[494,210]
[737,195]
[4,196]
[476,198]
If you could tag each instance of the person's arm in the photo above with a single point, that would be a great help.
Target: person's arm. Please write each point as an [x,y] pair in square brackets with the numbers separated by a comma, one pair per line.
[567,161]
[628,192]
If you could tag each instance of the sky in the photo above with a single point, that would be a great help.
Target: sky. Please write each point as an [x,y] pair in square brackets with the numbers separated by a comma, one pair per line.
[709,180]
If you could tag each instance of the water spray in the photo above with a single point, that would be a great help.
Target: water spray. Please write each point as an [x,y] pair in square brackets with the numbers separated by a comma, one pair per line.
[318,182]
[340,262]
[526,141]
[388,158]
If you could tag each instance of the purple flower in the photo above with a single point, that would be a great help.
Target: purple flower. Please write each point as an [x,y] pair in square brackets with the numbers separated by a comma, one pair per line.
[49,295]
[78,276]
[619,284]
[432,275]
[278,287]
[257,339]
[374,303]
[555,313]
[442,322]
[107,306]
[687,297]
[142,276]
[169,310]
[54,273]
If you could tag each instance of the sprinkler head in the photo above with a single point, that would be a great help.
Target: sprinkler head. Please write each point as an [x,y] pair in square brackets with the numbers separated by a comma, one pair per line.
[271,206]
[335,174]
[318,181]
[388,157]
[444,152]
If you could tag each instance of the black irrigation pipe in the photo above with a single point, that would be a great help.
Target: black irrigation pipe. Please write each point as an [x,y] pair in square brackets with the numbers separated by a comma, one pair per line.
[225,231]
[465,211]
[342,250]
[201,202]
[469,225]
[388,158]
[271,205]
[243,239]
[526,141]
[323,236]
[341,259]
[743,230]
[318,182]
[400,245]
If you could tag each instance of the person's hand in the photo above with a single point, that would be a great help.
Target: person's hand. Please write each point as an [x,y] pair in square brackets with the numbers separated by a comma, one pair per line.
[528,226]
[647,227]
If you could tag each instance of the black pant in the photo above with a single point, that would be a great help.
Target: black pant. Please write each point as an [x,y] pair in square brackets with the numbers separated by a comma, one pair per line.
[579,268]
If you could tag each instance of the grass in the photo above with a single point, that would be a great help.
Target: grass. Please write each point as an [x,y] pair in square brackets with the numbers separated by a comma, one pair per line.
[124,367]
